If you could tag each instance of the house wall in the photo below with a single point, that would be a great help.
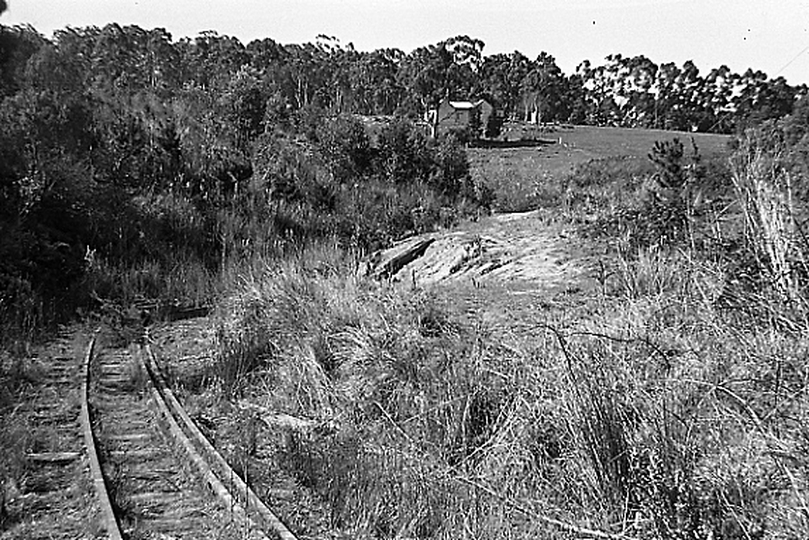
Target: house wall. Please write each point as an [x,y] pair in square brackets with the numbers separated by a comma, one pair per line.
[450,118]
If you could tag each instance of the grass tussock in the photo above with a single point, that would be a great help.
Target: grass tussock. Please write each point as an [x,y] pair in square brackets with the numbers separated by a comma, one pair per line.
[406,399]
[765,191]
[19,379]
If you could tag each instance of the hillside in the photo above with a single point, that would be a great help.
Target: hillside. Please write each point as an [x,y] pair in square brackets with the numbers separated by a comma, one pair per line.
[520,175]
[562,332]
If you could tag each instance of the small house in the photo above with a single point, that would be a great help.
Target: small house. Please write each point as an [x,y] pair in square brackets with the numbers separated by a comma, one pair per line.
[460,115]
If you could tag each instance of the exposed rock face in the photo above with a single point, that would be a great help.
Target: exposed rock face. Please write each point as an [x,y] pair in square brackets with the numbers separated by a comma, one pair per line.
[503,248]
[386,264]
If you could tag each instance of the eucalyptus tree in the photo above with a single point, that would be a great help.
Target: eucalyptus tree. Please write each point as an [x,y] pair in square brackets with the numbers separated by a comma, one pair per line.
[337,94]
[209,58]
[17,45]
[449,69]
[265,54]
[542,90]
[373,78]
[667,96]
[716,97]
[641,107]
[425,74]
[599,85]
[302,74]
[761,98]
[500,78]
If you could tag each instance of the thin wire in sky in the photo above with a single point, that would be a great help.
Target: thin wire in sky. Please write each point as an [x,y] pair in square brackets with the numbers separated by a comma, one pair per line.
[793,60]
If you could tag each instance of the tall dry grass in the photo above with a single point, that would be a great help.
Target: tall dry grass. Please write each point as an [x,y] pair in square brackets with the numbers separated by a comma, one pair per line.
[765,193]
[652,418]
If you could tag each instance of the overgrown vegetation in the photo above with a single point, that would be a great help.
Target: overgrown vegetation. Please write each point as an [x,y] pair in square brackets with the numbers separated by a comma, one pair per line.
[672,406]
[126,151]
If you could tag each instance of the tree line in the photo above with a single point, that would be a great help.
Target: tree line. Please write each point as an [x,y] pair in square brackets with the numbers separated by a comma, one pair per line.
[265,76]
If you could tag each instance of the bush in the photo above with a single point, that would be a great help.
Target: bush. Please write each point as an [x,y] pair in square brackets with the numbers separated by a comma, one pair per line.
[344,146]
[604,185]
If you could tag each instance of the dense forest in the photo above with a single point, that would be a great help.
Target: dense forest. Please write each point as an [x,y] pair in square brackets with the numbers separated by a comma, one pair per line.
[130,161]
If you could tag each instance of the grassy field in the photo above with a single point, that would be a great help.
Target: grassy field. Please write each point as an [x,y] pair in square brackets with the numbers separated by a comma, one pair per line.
[527,176]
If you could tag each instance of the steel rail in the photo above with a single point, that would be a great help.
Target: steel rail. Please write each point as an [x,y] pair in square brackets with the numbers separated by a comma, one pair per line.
[202,467]
[109,521]
[243,493]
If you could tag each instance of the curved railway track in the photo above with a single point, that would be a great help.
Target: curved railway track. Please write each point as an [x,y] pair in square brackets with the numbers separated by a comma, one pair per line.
[125,461]
[168,480]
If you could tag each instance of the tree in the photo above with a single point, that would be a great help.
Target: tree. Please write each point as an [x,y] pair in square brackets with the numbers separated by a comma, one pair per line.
[542,89]
[500,79]
[372,78]
[305,71]
[716,99]
[45,187]
[640,109]
[265,54]
[575,97]
[345,148]
[425,73]
[667,96]
[402,154]
[599,84]
[796,126]
[210,58]
[242,104]
[763,99]
[448,69]
[17,45]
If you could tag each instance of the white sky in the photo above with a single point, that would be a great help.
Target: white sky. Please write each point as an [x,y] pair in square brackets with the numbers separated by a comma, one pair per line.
[770,35]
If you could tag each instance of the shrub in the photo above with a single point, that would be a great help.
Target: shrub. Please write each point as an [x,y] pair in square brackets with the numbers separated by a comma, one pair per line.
[604,185]
[450,174]
[669,201]
[345,148]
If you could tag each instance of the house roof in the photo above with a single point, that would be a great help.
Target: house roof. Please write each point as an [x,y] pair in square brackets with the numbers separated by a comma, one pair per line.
[466,105]
[462,105]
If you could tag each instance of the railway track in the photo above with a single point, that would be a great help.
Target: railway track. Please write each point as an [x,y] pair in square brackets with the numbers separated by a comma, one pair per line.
[45,488]
[124,460]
